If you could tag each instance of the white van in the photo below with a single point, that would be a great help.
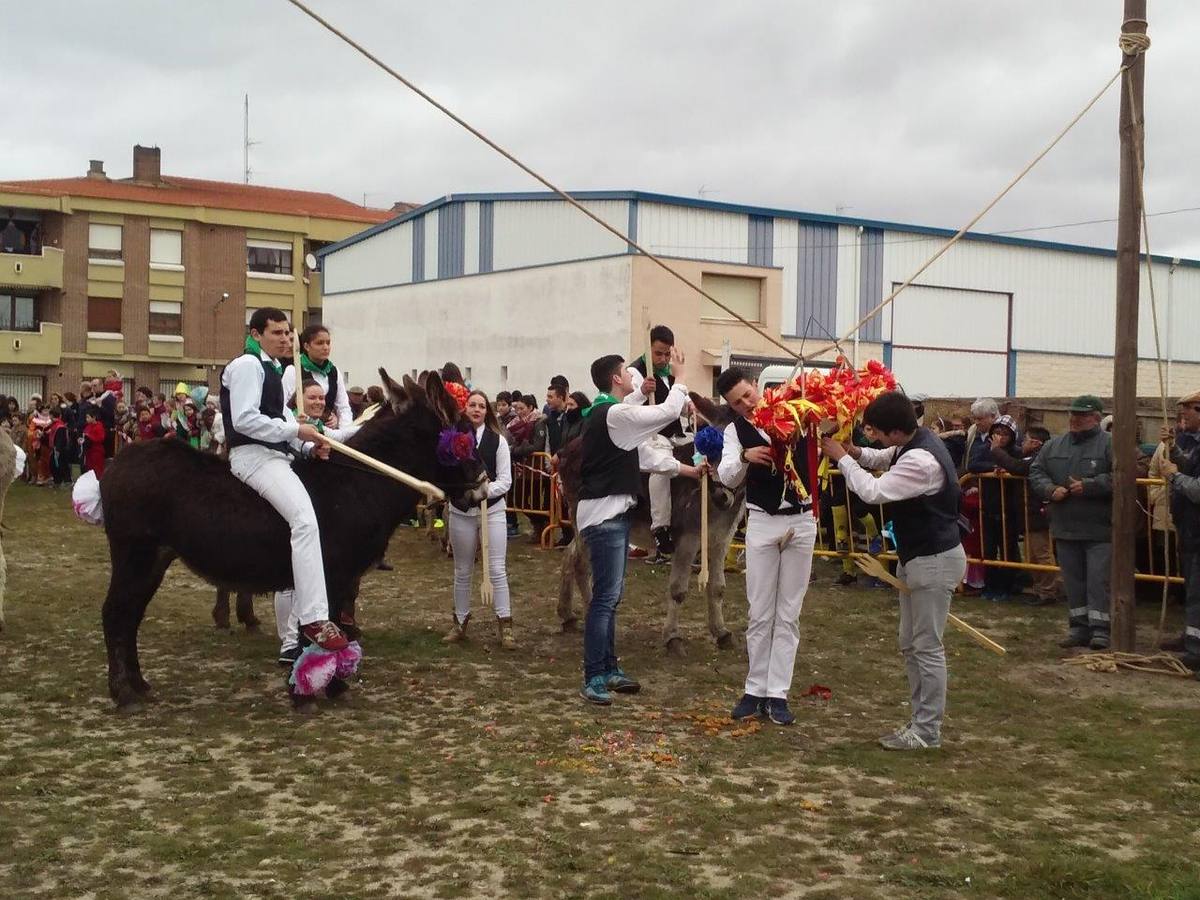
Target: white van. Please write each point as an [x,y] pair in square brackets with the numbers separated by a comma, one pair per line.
[774,376]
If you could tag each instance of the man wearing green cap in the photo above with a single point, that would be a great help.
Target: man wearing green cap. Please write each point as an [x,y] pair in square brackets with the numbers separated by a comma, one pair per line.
[1073,474]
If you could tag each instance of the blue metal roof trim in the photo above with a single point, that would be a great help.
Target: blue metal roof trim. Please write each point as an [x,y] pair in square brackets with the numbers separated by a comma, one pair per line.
[696,203]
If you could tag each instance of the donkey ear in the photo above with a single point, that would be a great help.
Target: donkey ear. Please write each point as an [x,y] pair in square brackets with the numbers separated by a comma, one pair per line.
[396,394]
[414,392]
[705,408]
[439,399]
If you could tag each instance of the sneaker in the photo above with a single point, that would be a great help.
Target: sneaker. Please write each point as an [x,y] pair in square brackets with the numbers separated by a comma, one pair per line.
[664,542]
[325,635]
[658,559]
[638,553]
[1074,640]
[514,531]
[846,579]
[908,739]
[384,567]
[778,712]
[618,681]
[876,545]
[749,706]
[458,631]
[594,691]
[288,656]
[1098,642]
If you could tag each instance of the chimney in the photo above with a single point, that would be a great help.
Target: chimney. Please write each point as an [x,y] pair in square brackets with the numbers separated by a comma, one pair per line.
[147,164]
[96,169]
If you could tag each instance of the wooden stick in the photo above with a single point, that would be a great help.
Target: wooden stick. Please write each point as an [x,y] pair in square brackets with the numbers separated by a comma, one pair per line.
[702,581]
[433,492]
[872,566]
[485,582]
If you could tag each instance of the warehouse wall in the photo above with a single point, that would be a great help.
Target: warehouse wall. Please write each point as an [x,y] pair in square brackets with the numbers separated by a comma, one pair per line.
[510,329]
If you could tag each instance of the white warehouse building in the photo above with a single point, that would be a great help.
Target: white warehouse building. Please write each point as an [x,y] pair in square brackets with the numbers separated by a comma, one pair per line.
[518,287]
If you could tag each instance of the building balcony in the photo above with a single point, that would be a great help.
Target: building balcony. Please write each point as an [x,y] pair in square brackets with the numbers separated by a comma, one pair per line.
[314,290]
[40,271]
[32,348]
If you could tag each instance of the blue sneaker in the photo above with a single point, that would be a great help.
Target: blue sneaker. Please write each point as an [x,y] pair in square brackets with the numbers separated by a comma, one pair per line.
[594,691]
[749,706]
[778,712]
[618,681]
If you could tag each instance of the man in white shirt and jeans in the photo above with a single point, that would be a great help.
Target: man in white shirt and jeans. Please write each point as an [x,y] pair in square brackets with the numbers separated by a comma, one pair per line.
[921,486]
[610,484]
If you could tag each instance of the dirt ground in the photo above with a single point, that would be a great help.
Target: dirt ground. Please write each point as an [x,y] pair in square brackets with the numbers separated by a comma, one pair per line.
[466,771]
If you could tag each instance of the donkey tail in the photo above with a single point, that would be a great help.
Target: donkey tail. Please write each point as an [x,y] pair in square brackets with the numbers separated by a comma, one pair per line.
[85,498]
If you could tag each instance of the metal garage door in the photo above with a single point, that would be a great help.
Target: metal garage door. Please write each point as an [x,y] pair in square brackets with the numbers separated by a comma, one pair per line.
[950,342]
[21,386]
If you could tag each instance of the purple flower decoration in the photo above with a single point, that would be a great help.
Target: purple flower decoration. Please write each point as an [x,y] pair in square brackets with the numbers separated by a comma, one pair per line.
[455,447]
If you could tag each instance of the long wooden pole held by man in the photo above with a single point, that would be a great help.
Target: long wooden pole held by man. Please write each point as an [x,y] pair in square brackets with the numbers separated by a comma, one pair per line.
[1125,511]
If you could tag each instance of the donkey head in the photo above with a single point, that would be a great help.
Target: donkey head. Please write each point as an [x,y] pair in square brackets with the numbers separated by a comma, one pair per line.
[718,415]
[405,433]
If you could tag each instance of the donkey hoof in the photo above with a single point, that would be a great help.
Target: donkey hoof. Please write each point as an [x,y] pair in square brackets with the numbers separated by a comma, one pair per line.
[127,699]
[726,641]
[676,648]
[336,688]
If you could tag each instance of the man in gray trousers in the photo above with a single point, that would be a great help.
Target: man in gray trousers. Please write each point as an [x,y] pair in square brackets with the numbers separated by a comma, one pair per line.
[1073,473]
[921,485]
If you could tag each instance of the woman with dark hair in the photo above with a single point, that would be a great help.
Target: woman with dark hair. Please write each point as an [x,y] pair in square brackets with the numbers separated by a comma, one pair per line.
[314,363]
[573,419]
[465,526]
[452,373]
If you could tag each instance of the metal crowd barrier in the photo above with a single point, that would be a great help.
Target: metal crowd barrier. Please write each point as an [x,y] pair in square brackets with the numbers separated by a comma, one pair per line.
[537,491]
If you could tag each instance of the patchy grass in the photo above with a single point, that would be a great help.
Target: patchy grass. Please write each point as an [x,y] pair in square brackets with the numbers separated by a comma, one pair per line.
[466,771]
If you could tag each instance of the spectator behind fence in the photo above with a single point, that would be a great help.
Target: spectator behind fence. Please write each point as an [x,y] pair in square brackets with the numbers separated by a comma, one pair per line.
[984,412]
[1182,472]
[1047,587]
[1003,514]
[1073,473]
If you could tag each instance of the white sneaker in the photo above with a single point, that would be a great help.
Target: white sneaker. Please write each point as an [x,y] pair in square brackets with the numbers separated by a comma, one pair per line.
[908,739]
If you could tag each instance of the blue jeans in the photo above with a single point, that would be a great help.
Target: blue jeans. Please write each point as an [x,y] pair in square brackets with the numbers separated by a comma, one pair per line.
[608,551]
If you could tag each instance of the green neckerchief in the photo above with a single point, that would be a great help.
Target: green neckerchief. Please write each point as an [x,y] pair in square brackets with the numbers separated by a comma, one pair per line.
[255,349]
[664,372]
[309,366]
[601,400]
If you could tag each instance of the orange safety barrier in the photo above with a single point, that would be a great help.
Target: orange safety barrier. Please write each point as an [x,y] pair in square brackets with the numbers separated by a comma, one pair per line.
[537,491]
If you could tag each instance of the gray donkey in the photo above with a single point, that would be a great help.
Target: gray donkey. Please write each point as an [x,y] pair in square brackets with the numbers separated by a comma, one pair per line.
[725,509]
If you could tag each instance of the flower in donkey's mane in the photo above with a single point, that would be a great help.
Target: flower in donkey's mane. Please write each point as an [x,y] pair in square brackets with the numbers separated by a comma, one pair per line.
[709,443]
[460,394]
[455,447]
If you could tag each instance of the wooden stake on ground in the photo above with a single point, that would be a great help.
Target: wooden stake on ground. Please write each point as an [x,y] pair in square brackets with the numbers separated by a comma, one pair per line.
[485,581]
[872,566]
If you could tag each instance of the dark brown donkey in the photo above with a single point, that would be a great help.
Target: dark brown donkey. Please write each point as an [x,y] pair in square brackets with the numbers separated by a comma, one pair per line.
[163,500]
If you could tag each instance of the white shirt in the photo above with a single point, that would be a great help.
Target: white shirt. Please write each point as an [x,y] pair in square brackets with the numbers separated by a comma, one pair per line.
[917,474]
[244,379]
[341,402]
[732,469]
[629,427]
[500,487]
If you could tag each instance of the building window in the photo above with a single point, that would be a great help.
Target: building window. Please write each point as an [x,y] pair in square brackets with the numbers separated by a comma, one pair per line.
[269,257]
[312,316]
[166,247]
[18,312]
[742,295]
[104,241]
[104,314]
[166,317]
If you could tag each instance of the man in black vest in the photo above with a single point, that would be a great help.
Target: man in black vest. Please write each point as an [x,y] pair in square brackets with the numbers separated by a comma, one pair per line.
[611,481]
[780,535]
[921,486]
[658,384]
[262,433]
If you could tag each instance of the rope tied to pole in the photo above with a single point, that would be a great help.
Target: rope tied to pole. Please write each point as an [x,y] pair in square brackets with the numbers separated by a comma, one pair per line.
[1133,43]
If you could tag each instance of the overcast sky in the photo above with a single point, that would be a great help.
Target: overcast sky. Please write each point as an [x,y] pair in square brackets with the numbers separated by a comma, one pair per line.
[905,110]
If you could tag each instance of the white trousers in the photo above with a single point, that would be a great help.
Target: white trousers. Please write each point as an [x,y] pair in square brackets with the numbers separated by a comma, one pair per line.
[286,623]
[779,554]
[464,538]
[271,476]
[660,485]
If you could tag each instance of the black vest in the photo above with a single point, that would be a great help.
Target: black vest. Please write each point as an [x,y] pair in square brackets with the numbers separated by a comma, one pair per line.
[928,524]
[767,488]
[488,445]
[608,471]
[270,406]
[662,389]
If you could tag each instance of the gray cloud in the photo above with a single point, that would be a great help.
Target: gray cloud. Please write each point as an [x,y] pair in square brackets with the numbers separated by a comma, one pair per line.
[905,110]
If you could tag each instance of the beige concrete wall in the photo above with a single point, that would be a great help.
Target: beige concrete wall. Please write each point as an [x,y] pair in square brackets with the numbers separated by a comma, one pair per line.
[1057,375]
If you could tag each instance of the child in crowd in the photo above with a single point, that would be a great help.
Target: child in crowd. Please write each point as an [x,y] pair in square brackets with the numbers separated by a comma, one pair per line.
[94,434]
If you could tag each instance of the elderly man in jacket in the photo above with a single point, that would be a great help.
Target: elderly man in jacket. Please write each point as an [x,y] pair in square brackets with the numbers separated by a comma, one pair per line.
[1073,473]
[1182,472]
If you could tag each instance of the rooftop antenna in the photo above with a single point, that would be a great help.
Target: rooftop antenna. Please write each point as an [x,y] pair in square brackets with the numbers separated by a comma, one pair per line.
[246,142]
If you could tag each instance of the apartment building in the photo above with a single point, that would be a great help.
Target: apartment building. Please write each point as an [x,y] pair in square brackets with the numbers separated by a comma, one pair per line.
[153,275]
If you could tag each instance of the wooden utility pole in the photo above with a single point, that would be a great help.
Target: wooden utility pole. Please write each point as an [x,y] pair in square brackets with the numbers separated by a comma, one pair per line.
[1125,511]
